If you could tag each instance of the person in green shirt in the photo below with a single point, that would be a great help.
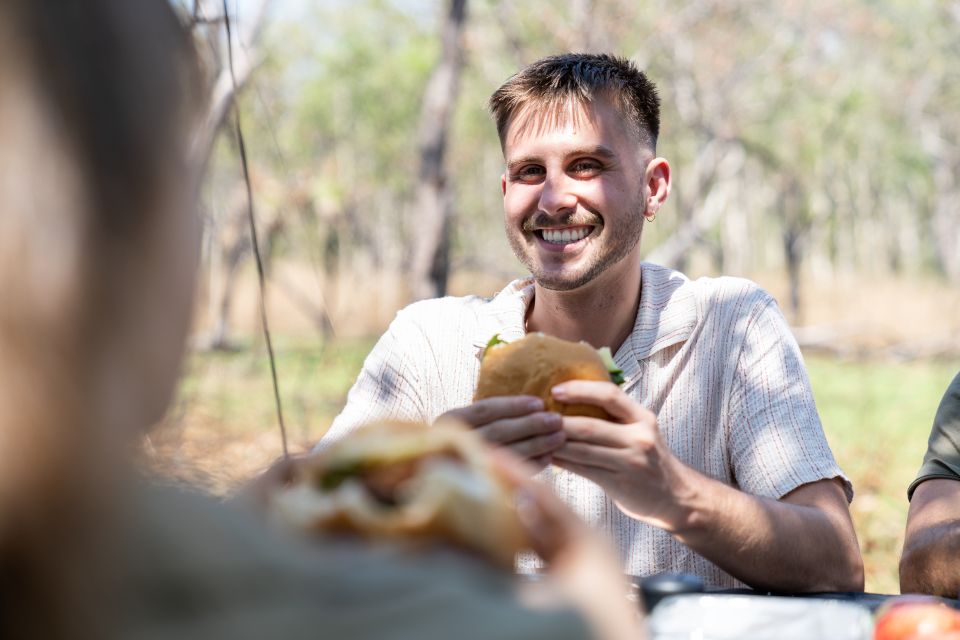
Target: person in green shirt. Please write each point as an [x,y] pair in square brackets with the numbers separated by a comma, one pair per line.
[930,562]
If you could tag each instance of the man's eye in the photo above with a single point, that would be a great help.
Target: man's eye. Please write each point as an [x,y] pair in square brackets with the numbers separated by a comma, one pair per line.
[585,167]
[527,174]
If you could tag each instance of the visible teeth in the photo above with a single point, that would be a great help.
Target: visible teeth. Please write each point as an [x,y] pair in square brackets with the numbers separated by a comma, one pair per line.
[566,236]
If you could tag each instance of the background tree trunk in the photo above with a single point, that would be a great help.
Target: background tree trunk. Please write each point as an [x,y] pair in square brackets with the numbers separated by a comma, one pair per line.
[207,21]
[229,246]
[430,235]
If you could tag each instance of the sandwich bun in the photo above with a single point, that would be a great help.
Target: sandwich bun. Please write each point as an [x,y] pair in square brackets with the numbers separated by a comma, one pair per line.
[408,482]
[533,365]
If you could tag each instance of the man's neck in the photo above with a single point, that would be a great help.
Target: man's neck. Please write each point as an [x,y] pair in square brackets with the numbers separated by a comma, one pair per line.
[601,313]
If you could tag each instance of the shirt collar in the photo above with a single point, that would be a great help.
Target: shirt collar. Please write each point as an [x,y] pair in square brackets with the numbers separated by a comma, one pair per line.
[667,313]
[666,316]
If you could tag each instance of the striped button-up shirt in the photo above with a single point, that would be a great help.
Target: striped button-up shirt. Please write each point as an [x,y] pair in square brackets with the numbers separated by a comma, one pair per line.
[713,358]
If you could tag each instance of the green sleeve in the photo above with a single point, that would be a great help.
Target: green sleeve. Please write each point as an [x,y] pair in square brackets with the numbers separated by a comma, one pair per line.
[942,459]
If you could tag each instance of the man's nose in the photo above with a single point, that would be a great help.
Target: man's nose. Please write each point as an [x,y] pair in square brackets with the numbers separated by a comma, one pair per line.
[557,194]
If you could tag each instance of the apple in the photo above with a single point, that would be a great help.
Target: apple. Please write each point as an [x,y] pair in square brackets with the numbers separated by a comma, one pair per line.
[917,618]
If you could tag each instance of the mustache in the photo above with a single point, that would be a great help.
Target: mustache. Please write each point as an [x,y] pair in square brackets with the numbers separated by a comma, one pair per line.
[542,220]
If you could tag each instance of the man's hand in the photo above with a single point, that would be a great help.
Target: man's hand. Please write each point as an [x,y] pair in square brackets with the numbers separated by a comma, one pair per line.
[516,422]
[628,458]
[257,492]
[802,542]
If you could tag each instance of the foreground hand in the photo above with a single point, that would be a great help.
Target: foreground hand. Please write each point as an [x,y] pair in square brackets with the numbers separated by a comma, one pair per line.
[256,492]
[582,569]
[516,422]
[628,457]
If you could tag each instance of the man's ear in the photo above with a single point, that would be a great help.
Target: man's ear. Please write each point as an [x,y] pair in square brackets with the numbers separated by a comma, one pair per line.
[503,184]
[658,184]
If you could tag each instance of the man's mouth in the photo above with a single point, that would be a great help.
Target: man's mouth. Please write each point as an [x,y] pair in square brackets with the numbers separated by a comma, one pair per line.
[568,235]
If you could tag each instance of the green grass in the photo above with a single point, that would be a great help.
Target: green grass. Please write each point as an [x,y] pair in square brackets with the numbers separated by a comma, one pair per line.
[877,417]
[234,389]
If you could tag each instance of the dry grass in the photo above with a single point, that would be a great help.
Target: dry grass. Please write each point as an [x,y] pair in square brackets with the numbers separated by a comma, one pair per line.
[223,428]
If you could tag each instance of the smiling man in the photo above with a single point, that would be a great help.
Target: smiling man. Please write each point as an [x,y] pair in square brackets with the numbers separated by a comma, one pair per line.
[715,462]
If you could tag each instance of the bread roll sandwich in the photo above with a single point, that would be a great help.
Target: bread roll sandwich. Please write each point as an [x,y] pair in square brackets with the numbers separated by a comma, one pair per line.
[400,481]
[536,363]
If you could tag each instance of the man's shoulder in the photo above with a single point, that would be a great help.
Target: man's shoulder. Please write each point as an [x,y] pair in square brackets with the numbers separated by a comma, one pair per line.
[446,303]
[947,419]
[707,291]
[942,459]
[727,289]
[443,310]
[953,389]
[463,310]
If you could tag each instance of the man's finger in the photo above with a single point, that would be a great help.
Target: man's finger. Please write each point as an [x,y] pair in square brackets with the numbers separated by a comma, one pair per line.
[488,410]
[541,462]
[605,395]
[516,429]
[537,447]
[590,455]
[259,489]
[595,431]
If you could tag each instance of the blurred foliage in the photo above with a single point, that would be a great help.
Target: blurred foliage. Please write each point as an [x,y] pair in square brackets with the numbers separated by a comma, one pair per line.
[817,136]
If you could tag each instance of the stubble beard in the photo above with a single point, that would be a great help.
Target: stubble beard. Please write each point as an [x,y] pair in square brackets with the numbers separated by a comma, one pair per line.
[616,249]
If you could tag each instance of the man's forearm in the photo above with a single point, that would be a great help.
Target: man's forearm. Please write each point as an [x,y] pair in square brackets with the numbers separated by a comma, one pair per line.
[802,546]
[931,561]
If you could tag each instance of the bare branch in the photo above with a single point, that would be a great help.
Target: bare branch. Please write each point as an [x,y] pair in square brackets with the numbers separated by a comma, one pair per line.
[223,90]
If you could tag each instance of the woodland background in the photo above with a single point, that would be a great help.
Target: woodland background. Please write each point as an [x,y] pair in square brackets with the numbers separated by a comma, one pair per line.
[815,148]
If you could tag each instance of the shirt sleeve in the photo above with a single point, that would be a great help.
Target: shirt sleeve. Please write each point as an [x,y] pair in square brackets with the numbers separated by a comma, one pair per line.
[777,442]
[942,459]
[390,382]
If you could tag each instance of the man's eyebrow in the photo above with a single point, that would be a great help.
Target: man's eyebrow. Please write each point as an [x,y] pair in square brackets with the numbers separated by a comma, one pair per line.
[599,150]
[512,165]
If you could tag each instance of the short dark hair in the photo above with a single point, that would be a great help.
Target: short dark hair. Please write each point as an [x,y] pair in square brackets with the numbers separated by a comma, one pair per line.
[552,83]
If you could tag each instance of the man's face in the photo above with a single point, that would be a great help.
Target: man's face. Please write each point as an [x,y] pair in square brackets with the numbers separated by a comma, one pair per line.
[574,194]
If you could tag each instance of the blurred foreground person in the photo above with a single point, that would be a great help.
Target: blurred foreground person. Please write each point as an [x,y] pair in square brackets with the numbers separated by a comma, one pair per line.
[931,549]
[99,244]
